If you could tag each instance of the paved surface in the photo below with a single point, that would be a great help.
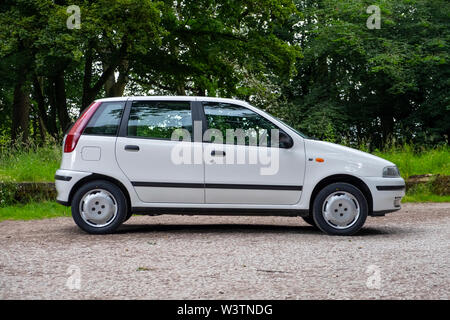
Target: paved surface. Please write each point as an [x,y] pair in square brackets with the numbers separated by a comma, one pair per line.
[404,255]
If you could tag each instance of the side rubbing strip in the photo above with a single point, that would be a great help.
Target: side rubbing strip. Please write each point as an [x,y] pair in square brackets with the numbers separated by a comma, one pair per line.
[252,186]
[215,186]
[390,188]
[63,178]
[167,184]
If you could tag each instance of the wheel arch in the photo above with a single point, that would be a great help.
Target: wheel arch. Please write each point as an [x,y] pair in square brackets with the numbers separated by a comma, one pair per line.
[355,181]
[96,176]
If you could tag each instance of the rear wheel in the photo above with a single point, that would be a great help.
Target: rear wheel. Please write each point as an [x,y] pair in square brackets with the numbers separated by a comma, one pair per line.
[129,214]
[99,207]
[340,209]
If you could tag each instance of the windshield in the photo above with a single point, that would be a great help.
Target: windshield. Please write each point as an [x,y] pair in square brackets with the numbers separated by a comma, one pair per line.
[296,131]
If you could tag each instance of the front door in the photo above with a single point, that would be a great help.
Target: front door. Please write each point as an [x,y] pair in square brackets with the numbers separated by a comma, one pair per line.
[240,171]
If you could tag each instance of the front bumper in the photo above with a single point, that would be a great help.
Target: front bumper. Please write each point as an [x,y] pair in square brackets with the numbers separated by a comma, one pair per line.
[387,194]
[65,180]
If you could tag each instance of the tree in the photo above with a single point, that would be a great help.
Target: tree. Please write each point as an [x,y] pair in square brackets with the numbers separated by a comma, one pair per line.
[211,46]
[313,63]
[357,84]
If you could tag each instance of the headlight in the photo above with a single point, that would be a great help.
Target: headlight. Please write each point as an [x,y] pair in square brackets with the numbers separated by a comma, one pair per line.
[391,172]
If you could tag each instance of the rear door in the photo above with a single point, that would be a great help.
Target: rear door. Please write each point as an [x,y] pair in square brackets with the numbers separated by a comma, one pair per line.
[145,152]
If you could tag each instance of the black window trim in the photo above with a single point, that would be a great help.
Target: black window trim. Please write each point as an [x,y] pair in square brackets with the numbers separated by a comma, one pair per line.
[206,123]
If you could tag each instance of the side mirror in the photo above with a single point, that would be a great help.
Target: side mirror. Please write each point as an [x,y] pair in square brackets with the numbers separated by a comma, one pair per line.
[285,141]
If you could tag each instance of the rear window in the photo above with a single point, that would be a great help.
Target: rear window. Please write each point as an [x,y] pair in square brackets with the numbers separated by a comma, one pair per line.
[106,119]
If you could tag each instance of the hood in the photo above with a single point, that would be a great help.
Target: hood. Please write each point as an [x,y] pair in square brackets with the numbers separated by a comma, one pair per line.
[349,159]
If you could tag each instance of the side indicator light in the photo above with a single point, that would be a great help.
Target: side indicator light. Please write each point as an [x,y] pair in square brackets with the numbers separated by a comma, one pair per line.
[319,160]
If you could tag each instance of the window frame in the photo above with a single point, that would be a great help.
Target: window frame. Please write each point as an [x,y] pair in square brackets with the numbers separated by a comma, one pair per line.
[206,127]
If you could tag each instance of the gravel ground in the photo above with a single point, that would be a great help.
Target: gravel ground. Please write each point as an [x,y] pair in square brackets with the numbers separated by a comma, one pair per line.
[404,255]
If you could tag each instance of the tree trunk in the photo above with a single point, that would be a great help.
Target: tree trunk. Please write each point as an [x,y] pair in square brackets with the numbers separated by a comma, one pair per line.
[110,84]
[21,111]
[200,91]
[181,91]
[42,129]
[60,101]
[41,109]
[387,128]
[51,124]
[86,99]
[90,92]
[115,88]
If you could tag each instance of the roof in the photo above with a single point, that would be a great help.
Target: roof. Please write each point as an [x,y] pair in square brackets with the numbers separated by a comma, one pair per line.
[176,98]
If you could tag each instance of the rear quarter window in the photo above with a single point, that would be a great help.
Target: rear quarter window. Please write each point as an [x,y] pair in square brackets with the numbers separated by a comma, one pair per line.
[106,119]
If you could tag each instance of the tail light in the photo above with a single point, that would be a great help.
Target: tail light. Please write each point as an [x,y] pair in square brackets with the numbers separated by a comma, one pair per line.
[75,132]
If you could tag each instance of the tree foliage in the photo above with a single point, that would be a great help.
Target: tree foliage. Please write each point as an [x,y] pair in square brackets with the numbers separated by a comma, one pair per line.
[313,63]
[357,84]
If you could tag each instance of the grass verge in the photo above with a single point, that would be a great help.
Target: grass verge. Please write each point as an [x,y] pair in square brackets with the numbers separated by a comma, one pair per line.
[34,210]
[411,162]
[423,193]
[33,164]
[425,198]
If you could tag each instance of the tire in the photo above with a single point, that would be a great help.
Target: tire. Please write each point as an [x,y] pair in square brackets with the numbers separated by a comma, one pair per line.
[99,207]
[340,209]
[129,215]
[310,220]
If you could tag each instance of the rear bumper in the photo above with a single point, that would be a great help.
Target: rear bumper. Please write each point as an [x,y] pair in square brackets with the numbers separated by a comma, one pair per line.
[65,180]
[387,194]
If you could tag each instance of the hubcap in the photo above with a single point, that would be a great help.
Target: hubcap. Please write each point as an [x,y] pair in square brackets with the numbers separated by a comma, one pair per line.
[340,210]
[98,208]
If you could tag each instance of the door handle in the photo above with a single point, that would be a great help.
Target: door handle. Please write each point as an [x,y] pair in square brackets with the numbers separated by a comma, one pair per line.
[218,153]
[131,148]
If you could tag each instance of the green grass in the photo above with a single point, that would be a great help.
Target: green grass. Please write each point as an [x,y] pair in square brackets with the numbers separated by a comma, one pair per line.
[423,193]
[425,198]
[34,210]
[434,161]
[30,164]
[410,162]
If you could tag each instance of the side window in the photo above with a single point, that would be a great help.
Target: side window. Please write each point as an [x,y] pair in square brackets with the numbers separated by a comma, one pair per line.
[228,117]
[158,119]
[106,119]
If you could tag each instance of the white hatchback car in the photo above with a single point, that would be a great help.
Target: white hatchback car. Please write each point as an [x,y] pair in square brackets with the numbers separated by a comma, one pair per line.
[213,156]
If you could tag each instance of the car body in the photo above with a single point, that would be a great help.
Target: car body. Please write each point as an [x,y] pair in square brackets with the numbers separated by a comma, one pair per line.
[123,149]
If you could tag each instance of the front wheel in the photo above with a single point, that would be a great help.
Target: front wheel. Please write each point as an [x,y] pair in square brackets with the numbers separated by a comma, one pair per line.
[340,209]
[99,207]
